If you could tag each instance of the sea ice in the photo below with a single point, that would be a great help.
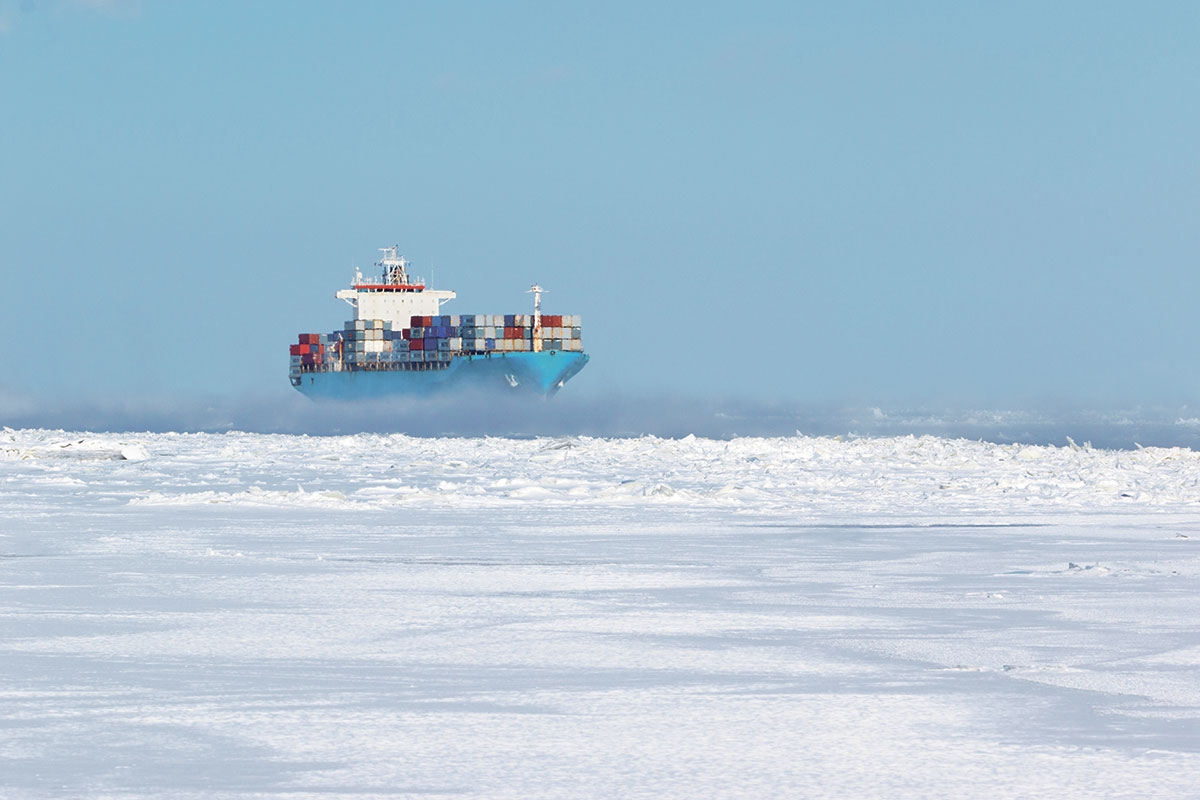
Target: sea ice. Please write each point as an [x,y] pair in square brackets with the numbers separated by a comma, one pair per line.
[243,615]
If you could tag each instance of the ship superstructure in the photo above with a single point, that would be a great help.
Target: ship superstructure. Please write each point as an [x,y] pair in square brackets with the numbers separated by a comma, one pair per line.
[398,342]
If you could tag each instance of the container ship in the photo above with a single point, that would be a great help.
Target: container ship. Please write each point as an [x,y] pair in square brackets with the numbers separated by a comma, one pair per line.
[399,343]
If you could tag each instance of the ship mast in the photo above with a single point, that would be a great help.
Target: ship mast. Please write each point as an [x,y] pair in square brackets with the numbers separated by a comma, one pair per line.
[393,266]
[536,291]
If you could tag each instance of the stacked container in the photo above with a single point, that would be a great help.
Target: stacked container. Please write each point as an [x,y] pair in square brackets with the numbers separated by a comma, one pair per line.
[373,344]
[561,332]
[308,353]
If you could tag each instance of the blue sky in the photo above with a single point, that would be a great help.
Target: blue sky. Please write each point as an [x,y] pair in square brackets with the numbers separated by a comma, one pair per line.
[959,204]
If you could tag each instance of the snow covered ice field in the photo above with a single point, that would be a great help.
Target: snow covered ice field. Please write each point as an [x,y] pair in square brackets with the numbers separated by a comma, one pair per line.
[245,615]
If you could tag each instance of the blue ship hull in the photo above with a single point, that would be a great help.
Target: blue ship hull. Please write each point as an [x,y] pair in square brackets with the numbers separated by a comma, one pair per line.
[542,373]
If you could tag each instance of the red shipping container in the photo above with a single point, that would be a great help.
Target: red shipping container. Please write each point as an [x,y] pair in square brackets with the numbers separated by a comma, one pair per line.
[406,333]
[415,322]
[321,349]
[295,350]
[310,338]
[416,344]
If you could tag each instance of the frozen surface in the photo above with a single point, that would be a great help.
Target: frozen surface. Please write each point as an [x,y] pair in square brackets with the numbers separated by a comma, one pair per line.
[240,615]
